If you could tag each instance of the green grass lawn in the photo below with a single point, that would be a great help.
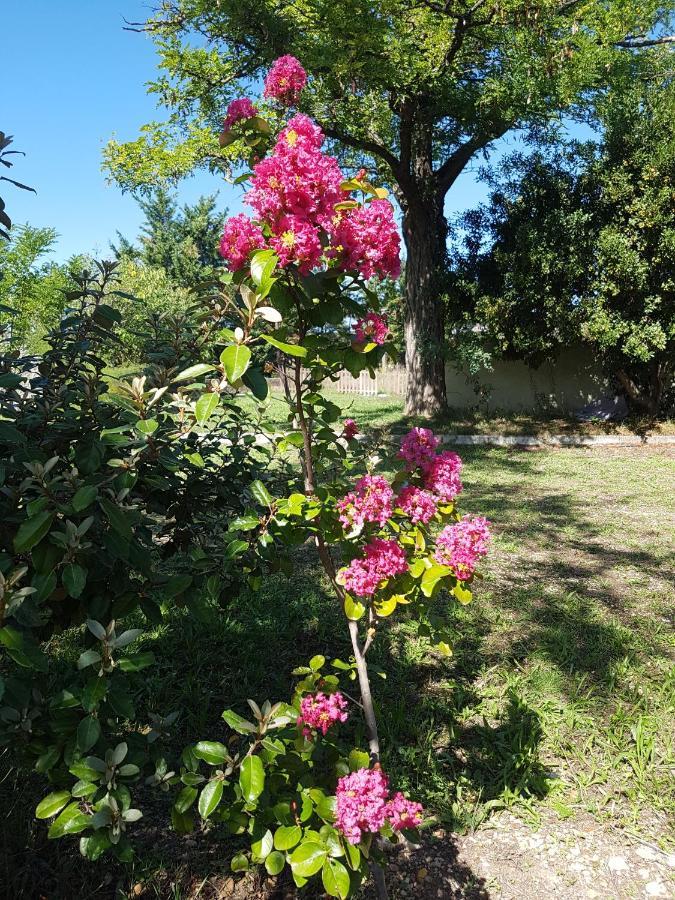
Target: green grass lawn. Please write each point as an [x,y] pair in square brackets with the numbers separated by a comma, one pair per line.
[386,412]
[560,694]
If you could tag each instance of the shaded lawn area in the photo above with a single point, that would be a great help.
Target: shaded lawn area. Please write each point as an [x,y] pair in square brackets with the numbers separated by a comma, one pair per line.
[560,695]
[386,413]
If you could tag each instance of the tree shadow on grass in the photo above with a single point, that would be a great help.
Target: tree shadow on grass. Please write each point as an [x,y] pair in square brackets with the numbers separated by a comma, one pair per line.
[436,745]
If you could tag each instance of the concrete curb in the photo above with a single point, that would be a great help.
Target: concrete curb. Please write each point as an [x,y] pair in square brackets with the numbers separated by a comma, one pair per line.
[559,440]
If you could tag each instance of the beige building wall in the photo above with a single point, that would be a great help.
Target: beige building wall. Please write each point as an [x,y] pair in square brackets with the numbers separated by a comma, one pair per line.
[566,385]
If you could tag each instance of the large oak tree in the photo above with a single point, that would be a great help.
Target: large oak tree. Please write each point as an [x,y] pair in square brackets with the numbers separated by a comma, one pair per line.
[416,88]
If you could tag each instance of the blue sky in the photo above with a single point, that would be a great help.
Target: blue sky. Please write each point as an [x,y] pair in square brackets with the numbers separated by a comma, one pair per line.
[73,79]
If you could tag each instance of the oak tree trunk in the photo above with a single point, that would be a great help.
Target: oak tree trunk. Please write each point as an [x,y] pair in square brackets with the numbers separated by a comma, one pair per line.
[425,232]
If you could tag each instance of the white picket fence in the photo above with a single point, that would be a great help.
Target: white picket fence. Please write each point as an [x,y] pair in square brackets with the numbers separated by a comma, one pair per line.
[386,381]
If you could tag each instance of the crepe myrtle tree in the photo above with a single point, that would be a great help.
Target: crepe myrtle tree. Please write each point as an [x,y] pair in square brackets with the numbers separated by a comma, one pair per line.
[302,263]
[412,89]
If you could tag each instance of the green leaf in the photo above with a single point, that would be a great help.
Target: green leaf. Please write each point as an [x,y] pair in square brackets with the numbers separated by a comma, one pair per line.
[431,577]
[235,360]
[94,845]
[335,878]
[210,797]
[260,493]
[287,836]
[358,759]
[193,372]
[462,593]
[263,263]
[176,585]
[117,518]
[83,497]
[317,662]
[275,862]
[185,799]
[52,804]
[289,349]
[205,407]
[262,848]
[147,426]
[308,858]
[251,778]
[71,821]
[47,760]
[32,531]
[137,662]
[88,658]
[212,752]
[88,732]
[74,579]
[385,607]
[83,789]
[244,523]
[23,650]
[93,692]
[239,863]
[255,381]
[353,609]
[238,723]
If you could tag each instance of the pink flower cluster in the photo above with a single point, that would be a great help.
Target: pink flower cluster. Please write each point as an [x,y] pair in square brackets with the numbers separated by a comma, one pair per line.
[240,238]
[370,501]
[297,241]
[238,111]
[294,192]
[364,805]
[420,505]
[297,178]
[350,430]
[320,711]
[369,240]
[418,448]
[383,559]
[371,329]
[441,475]
[285,81]
[460,546]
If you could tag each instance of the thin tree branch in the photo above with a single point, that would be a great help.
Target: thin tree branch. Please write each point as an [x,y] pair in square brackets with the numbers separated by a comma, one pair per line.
[639,42]
[367,146]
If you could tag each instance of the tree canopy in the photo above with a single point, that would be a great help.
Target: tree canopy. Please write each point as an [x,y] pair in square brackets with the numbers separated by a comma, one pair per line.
[412,88]
[182,242]
[579,244]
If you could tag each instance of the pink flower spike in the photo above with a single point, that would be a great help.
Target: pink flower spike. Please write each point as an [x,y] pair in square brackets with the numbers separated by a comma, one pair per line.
[285,81]
[320,711]
[361,803]
[382,560]
[300,132]
[441,476]
[368,240]
[462,545]
[350,430]
[296,240]
[371,329]
[371,501]
[241,236]
[403,813]
[418,504]
[418,448]
[238,111]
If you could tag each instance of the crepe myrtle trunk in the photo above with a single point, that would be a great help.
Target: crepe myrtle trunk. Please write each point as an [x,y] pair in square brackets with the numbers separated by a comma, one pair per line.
[425,235]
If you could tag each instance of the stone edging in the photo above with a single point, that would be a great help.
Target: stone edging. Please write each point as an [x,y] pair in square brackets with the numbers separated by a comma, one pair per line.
[559,440]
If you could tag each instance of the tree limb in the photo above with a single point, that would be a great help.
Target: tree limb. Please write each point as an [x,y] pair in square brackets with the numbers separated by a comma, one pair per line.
[637,43]
[367,146]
